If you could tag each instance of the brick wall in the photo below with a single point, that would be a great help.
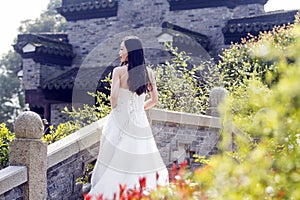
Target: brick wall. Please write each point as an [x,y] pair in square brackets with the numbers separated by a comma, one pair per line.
[14,194]
[31,74]
[61,178]
[171,138]
[134,16]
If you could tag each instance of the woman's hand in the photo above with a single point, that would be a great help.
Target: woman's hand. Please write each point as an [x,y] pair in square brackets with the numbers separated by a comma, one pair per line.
[153,92]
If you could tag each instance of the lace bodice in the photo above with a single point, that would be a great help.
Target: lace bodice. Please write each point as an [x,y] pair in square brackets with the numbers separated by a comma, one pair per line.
[130,111]
[130,101]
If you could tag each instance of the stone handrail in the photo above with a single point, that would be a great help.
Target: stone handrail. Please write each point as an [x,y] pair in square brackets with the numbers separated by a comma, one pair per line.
[74,143]
[184,118]
[11,177]
[89,135]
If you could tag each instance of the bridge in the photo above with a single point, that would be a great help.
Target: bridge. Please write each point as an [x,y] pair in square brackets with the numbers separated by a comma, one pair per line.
[38,171]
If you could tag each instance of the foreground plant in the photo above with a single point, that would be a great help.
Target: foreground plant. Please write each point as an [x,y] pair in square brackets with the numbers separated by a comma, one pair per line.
[141,192]
[5,139]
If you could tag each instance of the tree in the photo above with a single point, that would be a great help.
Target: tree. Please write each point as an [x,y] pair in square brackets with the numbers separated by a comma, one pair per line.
[49,21]
[11,94]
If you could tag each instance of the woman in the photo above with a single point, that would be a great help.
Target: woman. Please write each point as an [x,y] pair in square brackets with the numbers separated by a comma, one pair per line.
[127,149]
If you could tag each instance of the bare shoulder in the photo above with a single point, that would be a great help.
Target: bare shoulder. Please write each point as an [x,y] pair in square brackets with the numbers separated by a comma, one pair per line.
[119,69]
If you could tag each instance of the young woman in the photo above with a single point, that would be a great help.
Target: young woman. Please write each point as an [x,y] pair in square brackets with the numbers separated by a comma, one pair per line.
[127,149]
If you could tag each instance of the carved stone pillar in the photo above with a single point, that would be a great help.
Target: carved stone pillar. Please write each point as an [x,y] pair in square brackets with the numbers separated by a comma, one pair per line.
[29,150]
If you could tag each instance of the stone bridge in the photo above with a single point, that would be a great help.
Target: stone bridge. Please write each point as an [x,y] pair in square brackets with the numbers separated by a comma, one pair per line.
[38,171]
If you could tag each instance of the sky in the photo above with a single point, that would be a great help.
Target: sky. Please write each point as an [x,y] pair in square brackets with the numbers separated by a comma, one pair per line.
[12,12]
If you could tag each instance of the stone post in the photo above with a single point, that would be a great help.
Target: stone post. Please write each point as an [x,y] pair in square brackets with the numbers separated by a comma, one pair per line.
[217,97]
[29,150]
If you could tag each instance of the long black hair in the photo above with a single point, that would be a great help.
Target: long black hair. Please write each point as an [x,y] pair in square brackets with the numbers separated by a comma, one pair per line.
[138,79]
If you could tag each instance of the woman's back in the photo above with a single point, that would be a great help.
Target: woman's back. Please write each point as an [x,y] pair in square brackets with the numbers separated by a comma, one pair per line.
[124,77]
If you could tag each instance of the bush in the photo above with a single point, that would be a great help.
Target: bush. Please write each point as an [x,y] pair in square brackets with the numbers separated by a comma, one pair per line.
[266,106]
[5,138]
[183,87]
[246,60]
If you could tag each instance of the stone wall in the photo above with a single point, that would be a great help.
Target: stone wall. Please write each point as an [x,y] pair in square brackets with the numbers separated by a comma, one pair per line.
[180,135]
[210,21]
[31,74]
[12,182]
[14,194]
[61,178]
[175,141]
[136,16]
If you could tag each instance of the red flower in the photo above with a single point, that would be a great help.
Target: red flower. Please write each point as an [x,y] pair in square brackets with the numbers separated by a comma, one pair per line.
[183,165]
[173,172]
[87,197]
[122,189]
[281,194]
[157,177]
[100,197]
[142,181]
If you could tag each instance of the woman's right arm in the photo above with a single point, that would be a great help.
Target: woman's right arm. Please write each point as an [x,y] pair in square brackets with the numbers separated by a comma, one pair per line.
[153,92]
[115,85]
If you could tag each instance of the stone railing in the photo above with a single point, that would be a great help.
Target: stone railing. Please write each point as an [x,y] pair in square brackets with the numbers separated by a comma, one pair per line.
[178,135]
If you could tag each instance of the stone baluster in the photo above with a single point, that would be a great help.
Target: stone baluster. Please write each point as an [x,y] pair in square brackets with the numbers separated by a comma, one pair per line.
[29,150]
[217,97]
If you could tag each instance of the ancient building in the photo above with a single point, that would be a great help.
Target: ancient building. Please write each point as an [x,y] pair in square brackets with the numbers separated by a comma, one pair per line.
[58,69]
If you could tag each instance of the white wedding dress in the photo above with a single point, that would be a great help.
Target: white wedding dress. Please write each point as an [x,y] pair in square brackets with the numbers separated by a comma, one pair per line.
[127,149]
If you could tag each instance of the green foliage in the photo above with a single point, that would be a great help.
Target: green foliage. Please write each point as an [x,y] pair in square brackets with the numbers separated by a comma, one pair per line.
[60,132]
[5,138]
[182,87]
[87,173]
[11,94]
[88,114]
[245,60]
[201,159]
[266,106]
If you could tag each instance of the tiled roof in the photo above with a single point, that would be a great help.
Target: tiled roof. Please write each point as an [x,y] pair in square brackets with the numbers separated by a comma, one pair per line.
[236,29]
[194,4]
[81,77]
[83,9]
[64,81]
[46,48]
[187,36]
